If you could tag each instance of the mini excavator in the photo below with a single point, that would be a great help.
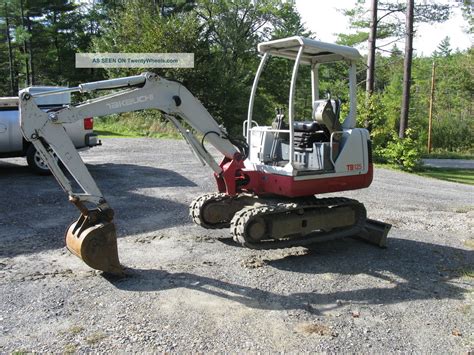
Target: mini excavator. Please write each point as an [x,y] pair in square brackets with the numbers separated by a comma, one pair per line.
[266,182]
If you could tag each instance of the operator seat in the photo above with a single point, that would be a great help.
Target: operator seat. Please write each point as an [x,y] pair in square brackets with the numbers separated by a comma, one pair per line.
[327,115]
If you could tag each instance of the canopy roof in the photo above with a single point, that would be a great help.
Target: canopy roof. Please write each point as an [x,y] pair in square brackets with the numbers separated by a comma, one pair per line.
[313,51]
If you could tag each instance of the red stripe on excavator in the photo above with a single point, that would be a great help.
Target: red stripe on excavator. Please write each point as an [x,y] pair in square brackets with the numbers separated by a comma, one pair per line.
[235,179]
[272,184]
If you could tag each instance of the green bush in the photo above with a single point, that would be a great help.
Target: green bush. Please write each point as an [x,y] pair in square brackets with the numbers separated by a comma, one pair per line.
[405,153]
[453,134]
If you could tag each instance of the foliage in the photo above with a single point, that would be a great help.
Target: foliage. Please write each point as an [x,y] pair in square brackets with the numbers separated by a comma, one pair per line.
[444,48]
[372,111]
[138,124]
[467,8]
[44,37]
[223,35]
[390,23]
[453,135]
[405,152]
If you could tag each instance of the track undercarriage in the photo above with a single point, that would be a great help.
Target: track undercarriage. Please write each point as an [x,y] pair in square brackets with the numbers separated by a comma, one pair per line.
[274,223]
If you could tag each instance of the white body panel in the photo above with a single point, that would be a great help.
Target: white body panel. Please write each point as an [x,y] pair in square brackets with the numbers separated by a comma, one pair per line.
[352,157]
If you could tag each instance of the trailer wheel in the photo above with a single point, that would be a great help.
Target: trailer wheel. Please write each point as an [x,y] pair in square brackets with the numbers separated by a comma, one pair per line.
[35,162]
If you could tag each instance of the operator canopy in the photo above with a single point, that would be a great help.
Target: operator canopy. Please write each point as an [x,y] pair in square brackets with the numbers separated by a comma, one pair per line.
[313,51]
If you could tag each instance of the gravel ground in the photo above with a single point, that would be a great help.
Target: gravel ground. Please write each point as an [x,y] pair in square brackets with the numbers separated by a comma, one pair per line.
[191,289]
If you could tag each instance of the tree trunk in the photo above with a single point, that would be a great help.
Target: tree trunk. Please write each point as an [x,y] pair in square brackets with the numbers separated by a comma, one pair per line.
[369,88]
[407,69]
[25,47]
[56,45]
[30,52]
[430,117]
[370,79]
[10,52]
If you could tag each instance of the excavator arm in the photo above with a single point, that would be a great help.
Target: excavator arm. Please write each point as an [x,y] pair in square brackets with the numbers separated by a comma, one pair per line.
[92,237]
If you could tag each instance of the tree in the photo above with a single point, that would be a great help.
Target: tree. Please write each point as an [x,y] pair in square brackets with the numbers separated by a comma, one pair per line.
[372,46]
[444,48]
[467,9]
[223,35]
[9,45]
[388,25]
[41,42]
[407,69]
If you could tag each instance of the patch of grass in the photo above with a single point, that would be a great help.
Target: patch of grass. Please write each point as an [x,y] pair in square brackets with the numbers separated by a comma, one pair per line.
[135,124]
[104,131]
[469,243]
[95,338]
[117,130]
[75,329]
[463,176]
[465,309]
[444,154]
[70,349]
[464,209]
[467,273]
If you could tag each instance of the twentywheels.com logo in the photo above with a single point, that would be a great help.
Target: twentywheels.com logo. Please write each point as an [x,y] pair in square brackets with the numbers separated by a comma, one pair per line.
[134,60]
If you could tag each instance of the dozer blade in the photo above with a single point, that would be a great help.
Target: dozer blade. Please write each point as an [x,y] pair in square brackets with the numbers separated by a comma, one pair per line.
[95,244]
[375,232]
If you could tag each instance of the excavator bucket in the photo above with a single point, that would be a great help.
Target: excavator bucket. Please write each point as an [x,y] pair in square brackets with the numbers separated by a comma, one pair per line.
[95,244]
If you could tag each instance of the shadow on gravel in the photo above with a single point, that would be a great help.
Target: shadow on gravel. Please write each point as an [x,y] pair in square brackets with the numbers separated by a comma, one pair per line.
[408,270]
[35,212]
[13,170]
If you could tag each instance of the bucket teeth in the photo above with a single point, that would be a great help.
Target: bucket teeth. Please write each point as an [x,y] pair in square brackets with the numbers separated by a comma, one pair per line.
[95,243]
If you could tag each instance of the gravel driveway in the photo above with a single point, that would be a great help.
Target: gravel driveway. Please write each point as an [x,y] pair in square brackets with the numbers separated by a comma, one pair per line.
[191,289]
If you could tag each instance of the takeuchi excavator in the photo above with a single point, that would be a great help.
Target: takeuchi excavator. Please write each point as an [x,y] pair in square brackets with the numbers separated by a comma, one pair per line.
[266,182]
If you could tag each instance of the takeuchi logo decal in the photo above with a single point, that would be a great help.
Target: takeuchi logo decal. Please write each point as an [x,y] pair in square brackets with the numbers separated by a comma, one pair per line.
[129,102]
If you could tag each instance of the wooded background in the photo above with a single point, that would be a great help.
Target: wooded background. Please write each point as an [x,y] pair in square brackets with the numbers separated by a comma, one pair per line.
[39,40]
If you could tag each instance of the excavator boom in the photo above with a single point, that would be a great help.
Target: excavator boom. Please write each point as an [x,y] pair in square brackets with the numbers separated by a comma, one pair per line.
[92,237]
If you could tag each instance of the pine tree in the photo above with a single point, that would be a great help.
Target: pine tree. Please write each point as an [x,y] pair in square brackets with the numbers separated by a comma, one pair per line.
[444,48]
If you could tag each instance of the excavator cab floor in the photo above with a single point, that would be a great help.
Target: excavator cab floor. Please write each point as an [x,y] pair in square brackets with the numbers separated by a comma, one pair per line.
[95,244]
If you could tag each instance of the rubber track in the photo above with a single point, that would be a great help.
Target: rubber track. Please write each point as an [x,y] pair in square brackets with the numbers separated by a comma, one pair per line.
[198,203]
[243,217]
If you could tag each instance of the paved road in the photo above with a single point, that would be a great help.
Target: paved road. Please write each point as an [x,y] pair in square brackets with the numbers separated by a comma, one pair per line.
[193,290]
[449,163]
